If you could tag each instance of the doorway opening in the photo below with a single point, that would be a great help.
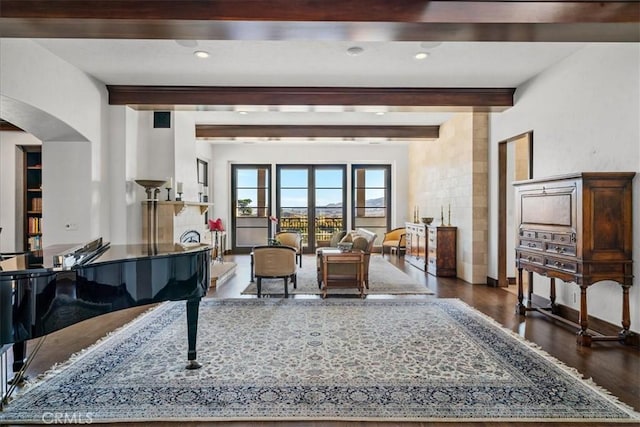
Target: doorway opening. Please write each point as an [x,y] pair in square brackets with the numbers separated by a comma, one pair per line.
[515,163]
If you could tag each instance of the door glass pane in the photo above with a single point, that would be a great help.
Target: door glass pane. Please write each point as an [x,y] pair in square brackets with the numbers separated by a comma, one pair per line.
[294,178]
[251,202]
[329,196]
[293,211]
[329,178]
[294,197]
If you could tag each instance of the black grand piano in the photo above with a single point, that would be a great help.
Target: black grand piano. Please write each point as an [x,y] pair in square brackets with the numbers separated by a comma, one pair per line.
[88,280]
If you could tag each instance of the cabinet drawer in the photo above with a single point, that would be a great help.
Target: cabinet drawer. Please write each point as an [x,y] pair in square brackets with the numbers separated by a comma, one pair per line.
[528,234]
[562,238]
[543,235]
[561,264]
[561,249]
[532,244]
[531,258]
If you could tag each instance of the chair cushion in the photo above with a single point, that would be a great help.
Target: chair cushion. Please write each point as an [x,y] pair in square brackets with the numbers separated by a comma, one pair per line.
[361,243]
[336,237]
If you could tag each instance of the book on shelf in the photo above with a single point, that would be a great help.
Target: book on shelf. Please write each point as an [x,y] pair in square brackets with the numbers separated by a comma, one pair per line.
[35,243]
[34,225]
[36,204]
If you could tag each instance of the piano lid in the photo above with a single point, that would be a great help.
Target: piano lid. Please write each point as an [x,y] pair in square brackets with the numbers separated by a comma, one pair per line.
[80,254]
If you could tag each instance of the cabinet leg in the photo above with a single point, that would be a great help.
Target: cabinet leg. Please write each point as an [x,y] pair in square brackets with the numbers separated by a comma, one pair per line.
[625,335]
[583,337]
[520,308]
[552,296]
[626,320]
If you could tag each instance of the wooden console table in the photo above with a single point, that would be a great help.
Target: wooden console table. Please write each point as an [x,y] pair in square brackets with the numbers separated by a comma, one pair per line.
[576,228]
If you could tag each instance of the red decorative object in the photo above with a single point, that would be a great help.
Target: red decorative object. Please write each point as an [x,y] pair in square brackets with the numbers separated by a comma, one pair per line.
[216,225]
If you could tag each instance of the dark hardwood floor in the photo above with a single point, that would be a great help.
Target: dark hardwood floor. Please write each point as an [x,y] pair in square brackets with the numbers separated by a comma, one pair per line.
[611,365]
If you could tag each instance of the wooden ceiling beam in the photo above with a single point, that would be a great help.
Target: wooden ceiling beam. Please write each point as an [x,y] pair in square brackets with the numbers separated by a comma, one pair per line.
[316,131]
[487,99]
[363,20]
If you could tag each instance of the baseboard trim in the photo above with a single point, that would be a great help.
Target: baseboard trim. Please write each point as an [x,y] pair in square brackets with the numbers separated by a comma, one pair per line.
[492,282]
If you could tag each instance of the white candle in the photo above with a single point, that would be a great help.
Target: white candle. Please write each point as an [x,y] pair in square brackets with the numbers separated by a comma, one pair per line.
[169,183]
[200,188]
[179,187]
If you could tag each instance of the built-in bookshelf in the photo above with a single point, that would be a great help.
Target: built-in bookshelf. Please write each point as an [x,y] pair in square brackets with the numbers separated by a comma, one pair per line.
[32,204]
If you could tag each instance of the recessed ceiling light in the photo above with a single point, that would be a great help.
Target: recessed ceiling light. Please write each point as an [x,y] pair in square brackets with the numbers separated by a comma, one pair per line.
[355,50]
[242,112]
[201,54]
[421,55]
[380,113]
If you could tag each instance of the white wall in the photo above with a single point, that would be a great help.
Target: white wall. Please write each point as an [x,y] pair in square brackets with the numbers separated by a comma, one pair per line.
[34,76]
[45,95]
[224,155]
[584,116]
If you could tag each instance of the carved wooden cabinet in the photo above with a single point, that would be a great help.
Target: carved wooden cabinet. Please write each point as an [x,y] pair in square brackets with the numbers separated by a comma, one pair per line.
[416,241]
[432,248]
[577,228]
[442,251]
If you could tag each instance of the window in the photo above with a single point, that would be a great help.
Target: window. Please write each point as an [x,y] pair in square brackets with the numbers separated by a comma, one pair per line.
[251,195]
[371,194]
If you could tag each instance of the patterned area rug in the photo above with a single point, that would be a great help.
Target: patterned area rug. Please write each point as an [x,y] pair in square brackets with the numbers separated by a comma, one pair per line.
[384,278]
[387,360]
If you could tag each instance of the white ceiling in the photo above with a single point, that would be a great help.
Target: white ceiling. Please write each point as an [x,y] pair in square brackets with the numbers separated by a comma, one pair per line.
[311,63]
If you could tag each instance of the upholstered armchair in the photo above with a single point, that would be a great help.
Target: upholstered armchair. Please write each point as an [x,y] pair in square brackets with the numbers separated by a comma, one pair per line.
[395,238]
[361,239]
[293,239]
[275,262]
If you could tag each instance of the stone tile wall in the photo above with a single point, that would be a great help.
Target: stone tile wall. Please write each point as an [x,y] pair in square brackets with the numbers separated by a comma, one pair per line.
[450,174]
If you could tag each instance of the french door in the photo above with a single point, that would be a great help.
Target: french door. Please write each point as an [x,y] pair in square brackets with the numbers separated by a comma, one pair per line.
[311,199]
[251,195]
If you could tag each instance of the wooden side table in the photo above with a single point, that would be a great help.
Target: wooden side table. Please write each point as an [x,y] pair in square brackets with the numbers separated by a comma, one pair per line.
[335,257]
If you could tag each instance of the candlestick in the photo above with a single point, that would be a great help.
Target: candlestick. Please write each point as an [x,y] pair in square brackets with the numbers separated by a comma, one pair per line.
[449,217]
[168,191]
[441,215]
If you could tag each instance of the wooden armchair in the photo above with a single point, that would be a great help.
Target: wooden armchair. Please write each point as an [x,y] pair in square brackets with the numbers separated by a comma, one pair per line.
[275,262]
[293,239]
[395,238]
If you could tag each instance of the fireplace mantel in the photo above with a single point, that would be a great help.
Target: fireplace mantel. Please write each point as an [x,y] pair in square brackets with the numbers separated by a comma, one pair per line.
[179,206]
[176,217]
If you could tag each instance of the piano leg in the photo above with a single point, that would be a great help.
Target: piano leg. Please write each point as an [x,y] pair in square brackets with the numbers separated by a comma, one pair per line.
[192,332]
[19,355]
